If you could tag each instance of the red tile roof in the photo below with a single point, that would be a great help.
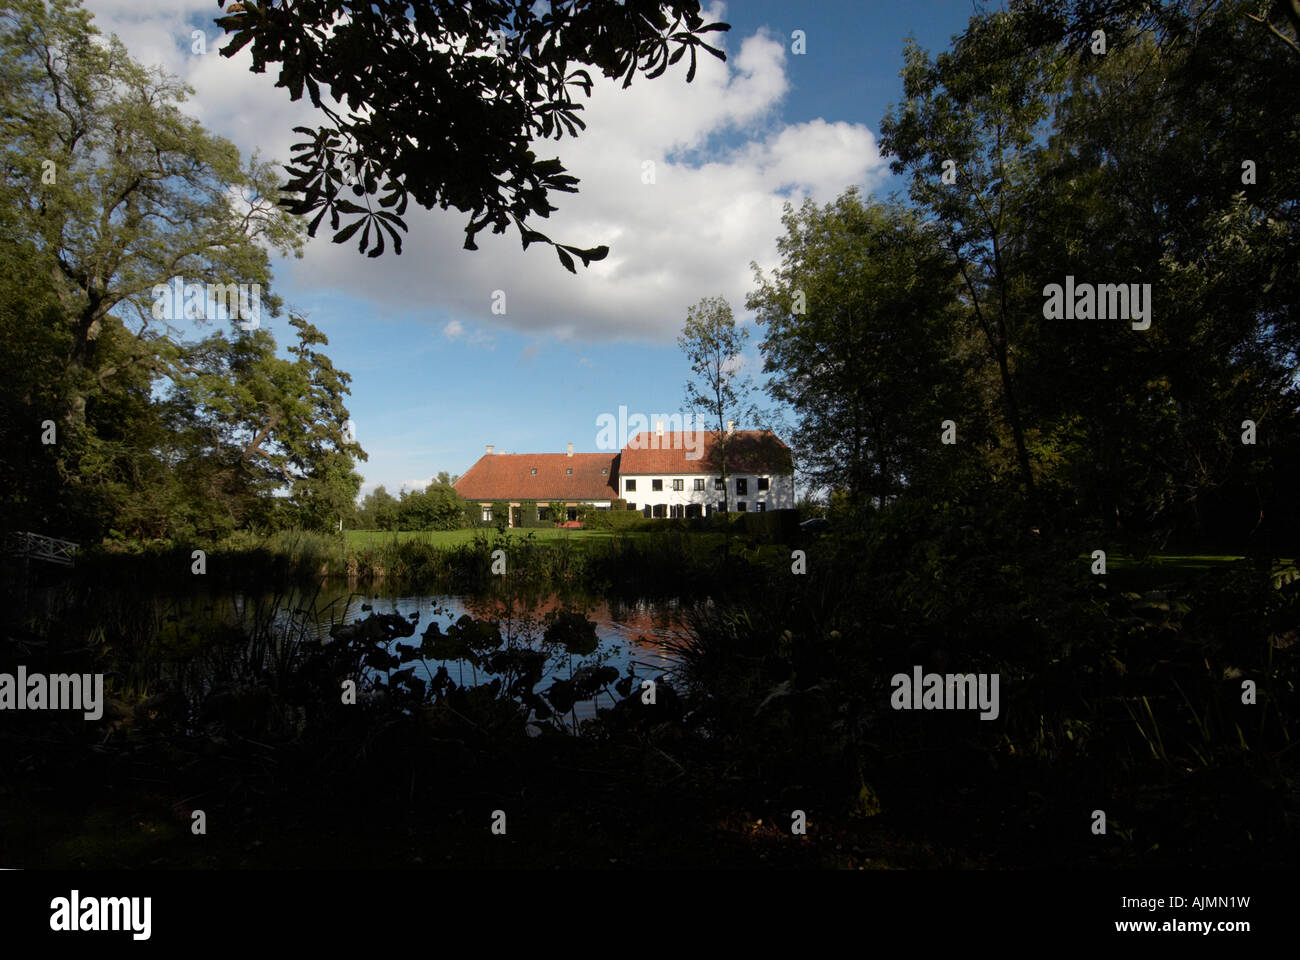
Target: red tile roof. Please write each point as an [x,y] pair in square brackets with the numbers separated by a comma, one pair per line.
[748,451]
[509,476]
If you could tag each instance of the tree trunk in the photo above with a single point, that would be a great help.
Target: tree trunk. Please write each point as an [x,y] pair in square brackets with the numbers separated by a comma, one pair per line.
[1013,420]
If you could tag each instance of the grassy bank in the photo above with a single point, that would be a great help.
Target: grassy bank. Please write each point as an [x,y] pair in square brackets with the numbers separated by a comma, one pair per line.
[366,539]
[673,562]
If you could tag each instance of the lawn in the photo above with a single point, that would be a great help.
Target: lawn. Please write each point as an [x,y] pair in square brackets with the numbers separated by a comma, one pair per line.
[1161,568]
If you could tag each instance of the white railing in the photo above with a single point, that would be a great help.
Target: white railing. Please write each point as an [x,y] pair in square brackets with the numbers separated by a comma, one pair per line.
[36,547]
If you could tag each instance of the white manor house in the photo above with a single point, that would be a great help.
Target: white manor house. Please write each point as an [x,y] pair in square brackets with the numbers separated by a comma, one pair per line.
[660,474]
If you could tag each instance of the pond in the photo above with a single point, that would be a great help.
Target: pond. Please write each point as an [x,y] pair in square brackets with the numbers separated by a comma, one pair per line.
[150,632]
[631,635]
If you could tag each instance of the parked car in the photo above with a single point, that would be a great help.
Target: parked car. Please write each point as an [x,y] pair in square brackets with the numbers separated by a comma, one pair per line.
[815,525]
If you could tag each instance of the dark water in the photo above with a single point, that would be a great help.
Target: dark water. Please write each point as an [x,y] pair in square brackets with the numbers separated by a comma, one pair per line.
[630,634]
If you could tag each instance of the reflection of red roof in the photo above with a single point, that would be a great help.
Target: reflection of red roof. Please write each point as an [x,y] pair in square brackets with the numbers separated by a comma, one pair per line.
[509,476]
[748,451]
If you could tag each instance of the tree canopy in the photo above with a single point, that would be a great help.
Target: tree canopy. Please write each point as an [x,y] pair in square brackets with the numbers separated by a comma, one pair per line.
[441,101]
[112,200]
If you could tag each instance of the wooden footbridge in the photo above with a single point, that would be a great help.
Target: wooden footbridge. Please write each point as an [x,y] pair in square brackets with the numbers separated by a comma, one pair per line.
[34,546]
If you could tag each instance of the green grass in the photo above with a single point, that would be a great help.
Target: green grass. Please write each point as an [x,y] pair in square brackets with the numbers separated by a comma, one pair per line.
[1162,568]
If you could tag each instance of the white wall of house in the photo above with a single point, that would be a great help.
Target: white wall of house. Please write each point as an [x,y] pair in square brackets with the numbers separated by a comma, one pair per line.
[778,496]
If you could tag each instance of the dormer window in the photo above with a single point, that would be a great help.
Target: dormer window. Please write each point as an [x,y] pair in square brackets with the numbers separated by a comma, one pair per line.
[533,471]
[604,471]
[569,471]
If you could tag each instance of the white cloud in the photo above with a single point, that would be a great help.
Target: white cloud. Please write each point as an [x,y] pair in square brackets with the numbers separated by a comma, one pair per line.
[723,164]
[736,364]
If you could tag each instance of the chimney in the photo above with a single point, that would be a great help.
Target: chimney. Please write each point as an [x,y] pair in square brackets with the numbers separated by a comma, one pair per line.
[731,427]
[491,449]
[659,428]
[570,449]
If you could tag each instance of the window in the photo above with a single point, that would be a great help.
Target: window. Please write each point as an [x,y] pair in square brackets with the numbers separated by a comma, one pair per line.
[741,506]
[656,484]
[699,484]
[760,507]
[533,471]
[629,485]
[645,511]
[487,514]
[543,513]
[717,483]
[604,471]
[677,512]
[694,510]
[660,510]
[762,484]
[631,506]
[678,484]
[722,508]
[569,471]
[573,513]
[742,486]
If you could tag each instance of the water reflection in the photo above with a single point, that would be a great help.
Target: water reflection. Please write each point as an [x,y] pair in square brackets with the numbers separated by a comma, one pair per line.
[630,634]
[148,630]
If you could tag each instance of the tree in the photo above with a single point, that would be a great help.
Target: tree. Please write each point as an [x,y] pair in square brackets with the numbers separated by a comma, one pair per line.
[976,114]
[119,190]
[258,425]
[712,343]
[379,510]
[1146,426]
[109,191]
[445,98]
[858,343]
[1174,26]
[1044,159]
[435,508]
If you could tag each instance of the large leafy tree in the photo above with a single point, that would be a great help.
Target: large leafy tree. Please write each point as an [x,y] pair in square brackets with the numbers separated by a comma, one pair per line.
[858,343]
[968,132]
[440,101]
[1123,167]
[1149,151]
[256,425]
[118,190]
[108,191]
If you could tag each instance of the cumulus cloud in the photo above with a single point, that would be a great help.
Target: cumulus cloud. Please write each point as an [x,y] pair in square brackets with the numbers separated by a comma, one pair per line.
[721,162]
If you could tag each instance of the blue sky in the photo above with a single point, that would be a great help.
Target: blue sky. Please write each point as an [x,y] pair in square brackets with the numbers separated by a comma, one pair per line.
[437,375]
